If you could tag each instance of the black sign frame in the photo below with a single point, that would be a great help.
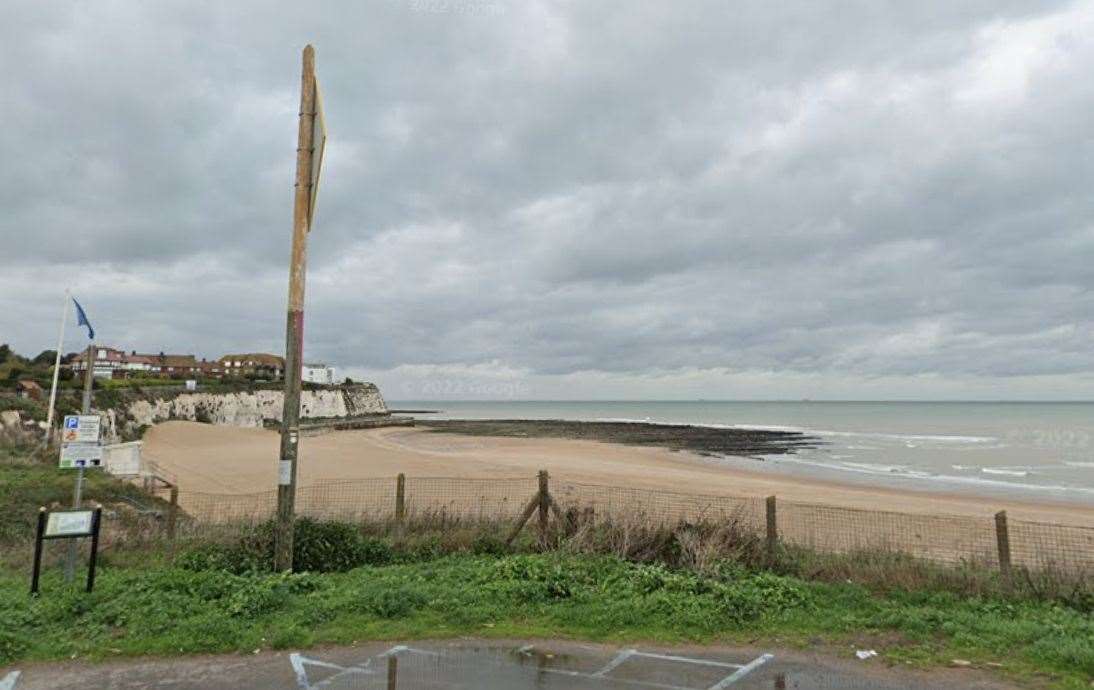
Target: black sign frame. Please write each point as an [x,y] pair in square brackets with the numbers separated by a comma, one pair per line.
[41,536]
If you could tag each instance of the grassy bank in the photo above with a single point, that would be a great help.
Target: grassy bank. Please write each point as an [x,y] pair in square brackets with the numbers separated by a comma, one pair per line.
[26,484]
[198,606]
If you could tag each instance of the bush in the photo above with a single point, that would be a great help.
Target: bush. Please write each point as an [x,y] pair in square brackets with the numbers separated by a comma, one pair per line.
[335,547]
[488,545]
[391,603]
[318,547]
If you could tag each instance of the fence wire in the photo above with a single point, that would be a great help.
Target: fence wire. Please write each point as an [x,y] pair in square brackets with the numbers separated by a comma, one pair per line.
[945,539]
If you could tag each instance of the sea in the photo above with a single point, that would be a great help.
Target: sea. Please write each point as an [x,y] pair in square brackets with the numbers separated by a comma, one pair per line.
[1038,451]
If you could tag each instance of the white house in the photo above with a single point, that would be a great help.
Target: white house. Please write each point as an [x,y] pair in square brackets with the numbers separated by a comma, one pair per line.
[318,373]
[106,360]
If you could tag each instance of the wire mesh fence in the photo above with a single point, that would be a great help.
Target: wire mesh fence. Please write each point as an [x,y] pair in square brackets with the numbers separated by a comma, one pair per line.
[944,539]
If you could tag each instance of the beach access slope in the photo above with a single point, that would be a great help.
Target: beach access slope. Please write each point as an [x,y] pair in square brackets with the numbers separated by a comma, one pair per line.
[231,460]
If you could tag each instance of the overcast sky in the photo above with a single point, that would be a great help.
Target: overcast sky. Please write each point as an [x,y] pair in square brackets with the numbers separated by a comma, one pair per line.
[568,200]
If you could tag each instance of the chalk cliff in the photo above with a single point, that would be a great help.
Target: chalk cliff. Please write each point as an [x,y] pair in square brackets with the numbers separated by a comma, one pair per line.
[245,408]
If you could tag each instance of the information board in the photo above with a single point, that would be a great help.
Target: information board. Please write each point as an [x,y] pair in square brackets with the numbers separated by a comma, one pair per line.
[69,523]
[75,455]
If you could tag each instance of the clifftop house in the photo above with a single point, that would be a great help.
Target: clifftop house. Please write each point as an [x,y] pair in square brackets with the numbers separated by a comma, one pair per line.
[318,373]
[113,363]
[253,364]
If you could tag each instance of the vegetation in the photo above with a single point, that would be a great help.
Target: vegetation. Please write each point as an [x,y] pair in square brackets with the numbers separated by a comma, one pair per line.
[437,577]
[25,486]
[14,367]
[196,606]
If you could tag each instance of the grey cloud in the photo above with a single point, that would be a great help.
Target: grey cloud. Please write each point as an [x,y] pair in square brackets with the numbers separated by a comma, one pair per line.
[841,190]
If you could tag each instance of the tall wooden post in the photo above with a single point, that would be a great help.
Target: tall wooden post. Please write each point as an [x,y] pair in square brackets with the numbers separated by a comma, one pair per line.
[392,672]
[172,516]
[1002,538]
[772,529]
[294,330]
[544,505]
[400,499]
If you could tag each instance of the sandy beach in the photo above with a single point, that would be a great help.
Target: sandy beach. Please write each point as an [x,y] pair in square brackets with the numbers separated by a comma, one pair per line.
[230,460]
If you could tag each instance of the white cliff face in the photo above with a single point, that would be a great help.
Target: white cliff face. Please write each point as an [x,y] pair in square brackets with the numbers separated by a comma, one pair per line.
[251,408]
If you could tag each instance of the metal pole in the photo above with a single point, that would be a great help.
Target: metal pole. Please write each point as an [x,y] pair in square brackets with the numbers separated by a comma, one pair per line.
[56,370]
[78,489]
[294,330]
[96,523]
[89,374]
[39,534]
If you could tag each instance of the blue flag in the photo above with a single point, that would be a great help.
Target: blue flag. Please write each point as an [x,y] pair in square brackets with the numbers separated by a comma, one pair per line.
[81,320]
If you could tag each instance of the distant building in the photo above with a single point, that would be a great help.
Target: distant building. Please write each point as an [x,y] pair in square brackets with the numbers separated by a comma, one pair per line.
[254,364]
[113,363]
[141,364]
[318,373]
[28,389]
[106,361]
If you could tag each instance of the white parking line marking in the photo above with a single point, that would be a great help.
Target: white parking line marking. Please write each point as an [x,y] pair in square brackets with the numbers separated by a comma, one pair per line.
[300,662]
[614,663]
[742,672]
[687,660]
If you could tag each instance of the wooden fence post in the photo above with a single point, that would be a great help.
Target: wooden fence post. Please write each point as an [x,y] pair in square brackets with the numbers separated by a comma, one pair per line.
[173,514]
[392,672]
[544,505]
[1002,537]
[400,498]
[772,528]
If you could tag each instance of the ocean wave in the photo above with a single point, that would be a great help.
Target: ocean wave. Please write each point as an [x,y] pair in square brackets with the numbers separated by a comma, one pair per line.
[901,472]
[1076,463]
[939,438]
[1006,471]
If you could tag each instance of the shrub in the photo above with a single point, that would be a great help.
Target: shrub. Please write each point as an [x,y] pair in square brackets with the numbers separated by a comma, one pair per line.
[392,603]
[335,547]
[318,547]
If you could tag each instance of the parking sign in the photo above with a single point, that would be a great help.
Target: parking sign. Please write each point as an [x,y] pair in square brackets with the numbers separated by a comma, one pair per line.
[81,429]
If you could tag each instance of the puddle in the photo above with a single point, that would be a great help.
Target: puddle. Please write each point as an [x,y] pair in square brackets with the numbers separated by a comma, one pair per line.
[529,667]
[480,666]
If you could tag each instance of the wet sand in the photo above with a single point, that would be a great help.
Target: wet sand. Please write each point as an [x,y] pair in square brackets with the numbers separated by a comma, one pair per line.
[229,460]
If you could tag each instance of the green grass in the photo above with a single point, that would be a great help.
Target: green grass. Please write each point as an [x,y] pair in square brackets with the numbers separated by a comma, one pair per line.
[172,610]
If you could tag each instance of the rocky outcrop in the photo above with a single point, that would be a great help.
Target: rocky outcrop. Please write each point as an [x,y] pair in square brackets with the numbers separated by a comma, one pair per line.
[245,408]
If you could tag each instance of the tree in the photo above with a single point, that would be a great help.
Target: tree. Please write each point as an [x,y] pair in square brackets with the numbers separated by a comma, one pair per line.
[45,357]
[5,353]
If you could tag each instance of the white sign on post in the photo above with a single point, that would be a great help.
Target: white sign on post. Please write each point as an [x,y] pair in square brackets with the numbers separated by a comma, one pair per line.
[319,143]
[69,523]
[81,429]
[74,455]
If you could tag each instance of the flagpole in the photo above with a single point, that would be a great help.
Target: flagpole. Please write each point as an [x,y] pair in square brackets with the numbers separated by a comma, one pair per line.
[56,369]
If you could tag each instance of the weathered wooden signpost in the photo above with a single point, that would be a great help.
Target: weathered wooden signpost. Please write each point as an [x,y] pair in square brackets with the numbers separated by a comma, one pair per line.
[311,139]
